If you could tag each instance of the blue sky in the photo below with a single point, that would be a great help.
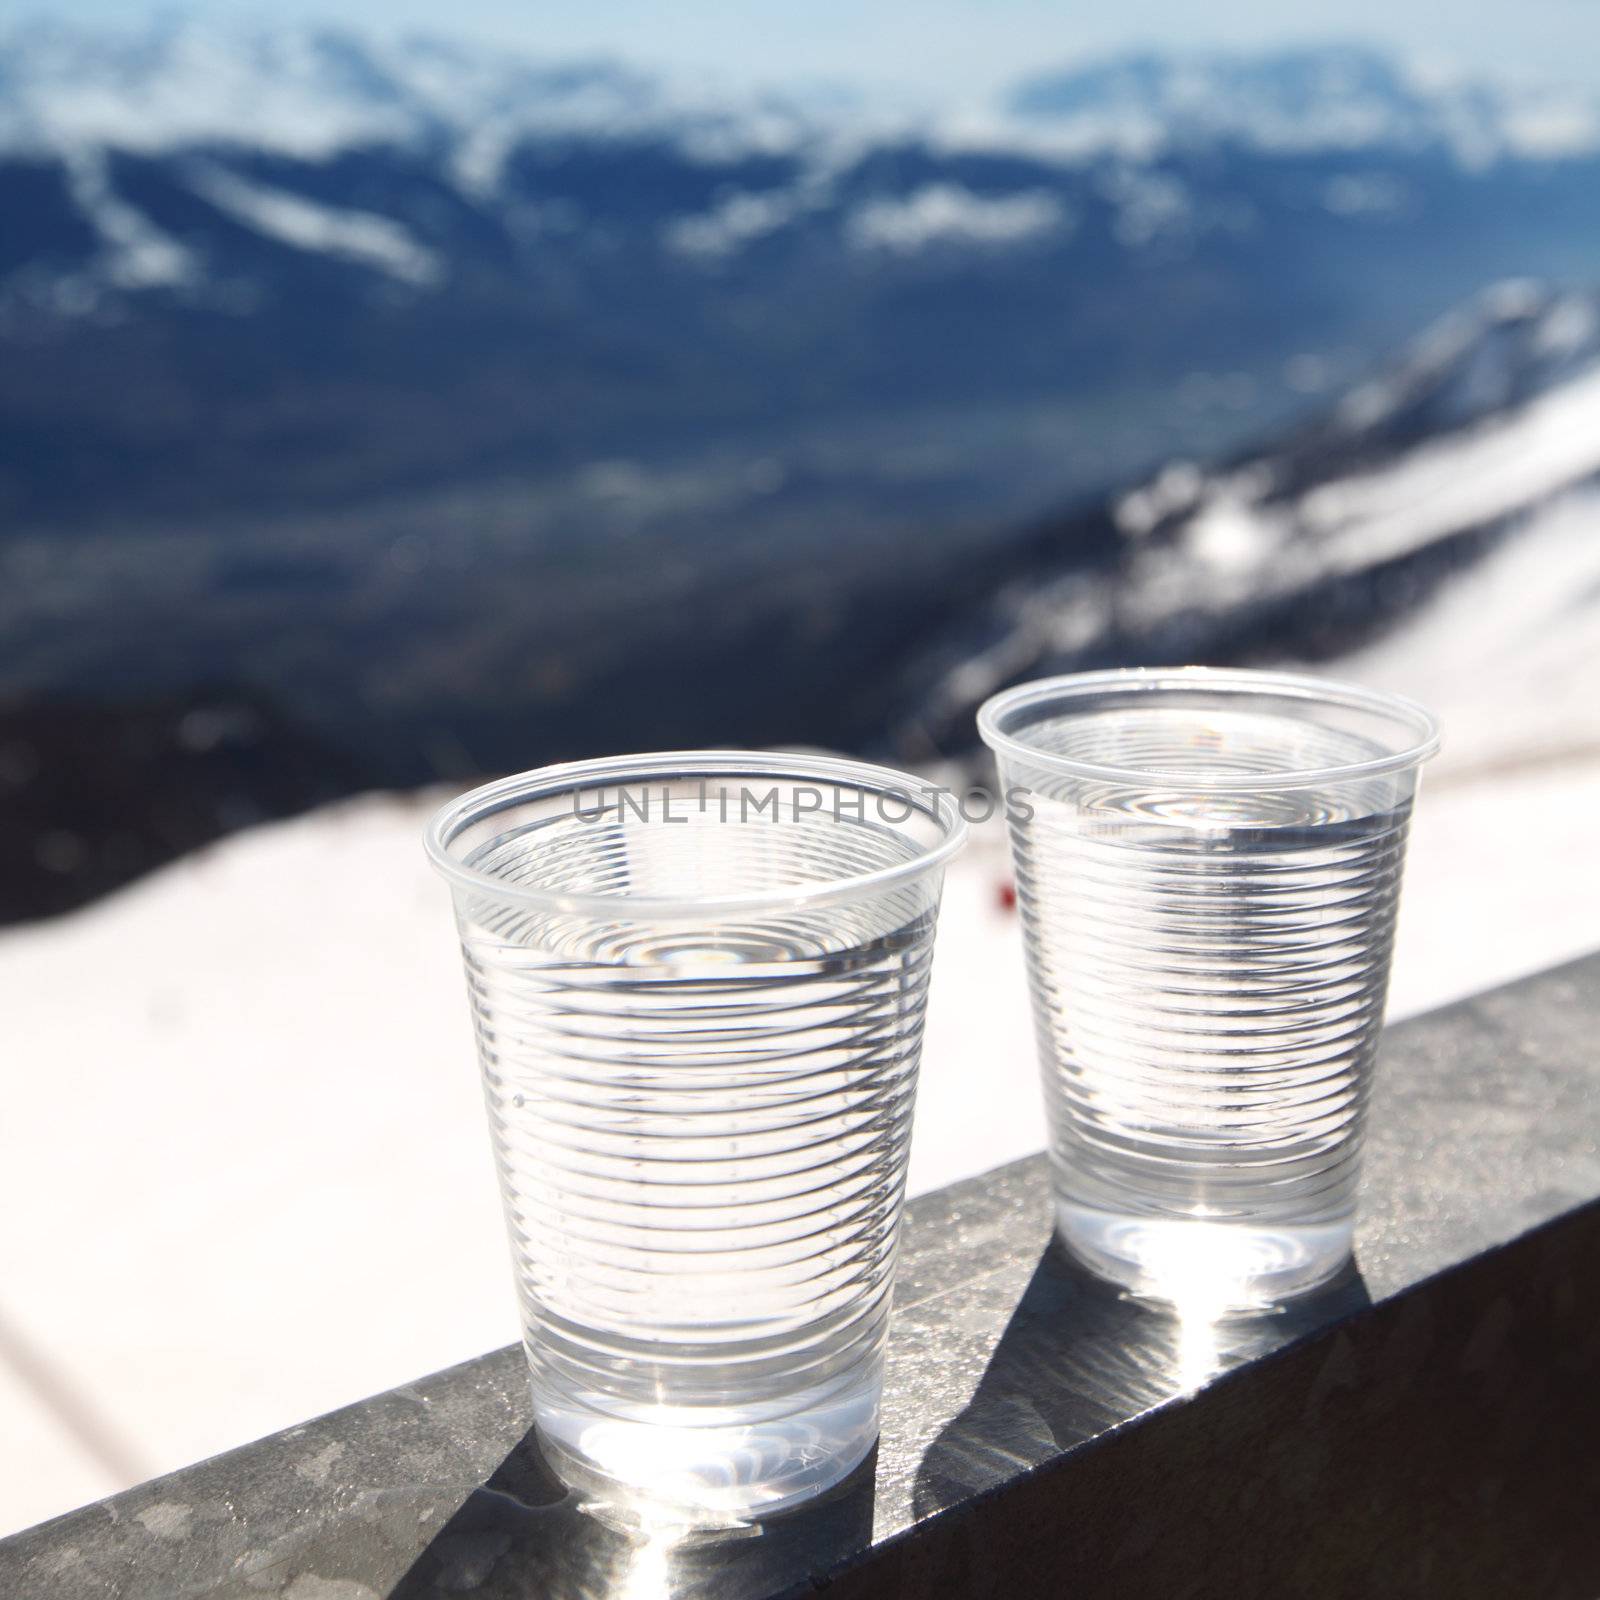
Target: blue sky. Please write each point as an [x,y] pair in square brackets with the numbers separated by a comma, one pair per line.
[953,46]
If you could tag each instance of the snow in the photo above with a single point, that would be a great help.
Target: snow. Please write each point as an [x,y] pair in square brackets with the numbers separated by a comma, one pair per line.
[1150,205]
[359,236]
[1068,142]
[1174,489]
[1336,98]
[932,215]
[1509,650]
[1225,536]
[1461,481]
[311,92]
[188,85]
[1571,325]
[740,219]
[1297,100]
[1235,540]
[1552,130]
[135,253]
[1515,337]
[940,213]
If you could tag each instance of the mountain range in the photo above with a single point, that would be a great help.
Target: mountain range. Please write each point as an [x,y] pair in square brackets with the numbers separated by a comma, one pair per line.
[423,411]
[289,267]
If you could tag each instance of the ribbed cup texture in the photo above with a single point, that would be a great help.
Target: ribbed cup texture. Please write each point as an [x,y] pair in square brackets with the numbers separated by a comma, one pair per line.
[701,1127]
[1208,973]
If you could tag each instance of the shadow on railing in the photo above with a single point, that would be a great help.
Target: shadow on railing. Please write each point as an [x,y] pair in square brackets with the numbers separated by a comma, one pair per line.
[1080,1358]
[522,1534]
[1077,1359]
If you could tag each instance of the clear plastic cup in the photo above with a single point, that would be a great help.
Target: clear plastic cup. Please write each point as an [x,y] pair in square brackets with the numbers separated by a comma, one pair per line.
[1208,866]
[699,981]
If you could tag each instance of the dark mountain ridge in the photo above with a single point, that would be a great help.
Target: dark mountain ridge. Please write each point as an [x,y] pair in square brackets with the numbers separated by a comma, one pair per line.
[1318,544]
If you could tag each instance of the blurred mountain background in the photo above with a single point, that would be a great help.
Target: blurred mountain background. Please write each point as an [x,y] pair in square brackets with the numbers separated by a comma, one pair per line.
[379,410]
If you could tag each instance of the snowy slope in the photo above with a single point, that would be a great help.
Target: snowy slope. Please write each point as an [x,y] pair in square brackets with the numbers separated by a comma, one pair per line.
[1457,496]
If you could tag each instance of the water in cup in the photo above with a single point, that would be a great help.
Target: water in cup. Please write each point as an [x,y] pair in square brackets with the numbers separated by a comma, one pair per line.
[701,1123]
[1208,968]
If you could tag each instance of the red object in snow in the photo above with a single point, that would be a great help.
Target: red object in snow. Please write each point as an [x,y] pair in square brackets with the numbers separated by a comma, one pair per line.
[1006,894]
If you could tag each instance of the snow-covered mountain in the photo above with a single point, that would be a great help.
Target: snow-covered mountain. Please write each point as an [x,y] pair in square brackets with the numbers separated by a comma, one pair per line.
[214,102]
[591,261]
[301,91]
[1333,98]
[313,91]
[410,395]
[1438,530]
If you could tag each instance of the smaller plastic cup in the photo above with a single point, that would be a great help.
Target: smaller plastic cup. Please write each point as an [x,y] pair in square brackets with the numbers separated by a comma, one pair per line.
[699,982]
[1208,867]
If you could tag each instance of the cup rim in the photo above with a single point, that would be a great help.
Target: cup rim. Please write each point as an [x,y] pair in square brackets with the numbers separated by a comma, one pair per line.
[451,818]
[1242,681]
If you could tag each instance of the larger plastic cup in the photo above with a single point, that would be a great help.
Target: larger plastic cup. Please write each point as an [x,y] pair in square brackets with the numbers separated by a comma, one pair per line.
[1208,865]
[699,982]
